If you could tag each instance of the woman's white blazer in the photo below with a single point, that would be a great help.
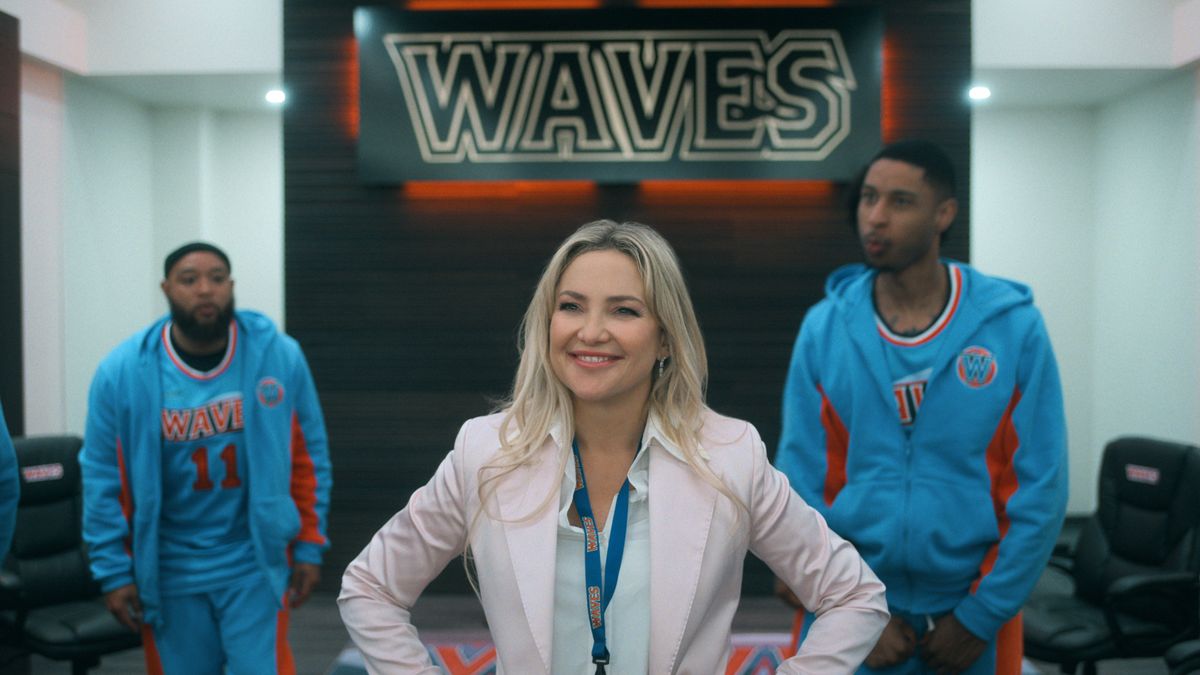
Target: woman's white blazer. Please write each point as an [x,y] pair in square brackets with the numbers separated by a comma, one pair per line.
[698,542]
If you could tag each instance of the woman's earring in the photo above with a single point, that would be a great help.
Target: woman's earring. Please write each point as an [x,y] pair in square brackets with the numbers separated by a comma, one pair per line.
[661,363]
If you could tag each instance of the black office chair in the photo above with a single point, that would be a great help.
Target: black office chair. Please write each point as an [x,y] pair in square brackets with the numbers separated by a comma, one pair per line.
[1184,658]
[51,605]
[1129,588]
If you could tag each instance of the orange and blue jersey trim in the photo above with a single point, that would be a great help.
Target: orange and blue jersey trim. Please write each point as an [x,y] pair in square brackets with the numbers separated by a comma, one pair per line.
[285,664]
[837,445]
[192,372]
[125,496]
[283,661]
[116,465]
[938,325]
[1010,647]
[150,651]
[1014,427]
[1004,481]
[304,486]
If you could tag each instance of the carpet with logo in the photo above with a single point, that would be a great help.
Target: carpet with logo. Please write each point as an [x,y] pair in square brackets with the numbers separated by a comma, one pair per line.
[752,654]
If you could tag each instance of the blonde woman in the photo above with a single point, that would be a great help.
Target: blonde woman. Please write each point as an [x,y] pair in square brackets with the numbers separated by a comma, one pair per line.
[606,509]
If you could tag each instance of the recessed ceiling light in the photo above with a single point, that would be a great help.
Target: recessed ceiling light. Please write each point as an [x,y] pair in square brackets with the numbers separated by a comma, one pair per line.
[276,96]
[979,93]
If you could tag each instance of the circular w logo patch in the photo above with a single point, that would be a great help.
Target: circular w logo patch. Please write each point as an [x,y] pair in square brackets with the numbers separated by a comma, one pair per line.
[270,392]
[976,367]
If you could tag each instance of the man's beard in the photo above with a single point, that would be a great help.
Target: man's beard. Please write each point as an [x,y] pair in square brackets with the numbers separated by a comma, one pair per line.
[202,331]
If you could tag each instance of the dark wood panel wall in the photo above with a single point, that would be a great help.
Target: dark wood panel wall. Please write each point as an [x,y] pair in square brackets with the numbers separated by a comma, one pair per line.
[407,298]
[12,395]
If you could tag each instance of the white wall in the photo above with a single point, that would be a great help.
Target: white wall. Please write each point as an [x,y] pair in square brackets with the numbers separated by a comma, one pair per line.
[43,112]
[1147,288]
[148,37]
[110,185]
[1185,32]
[247,205]
[51,31]
[141,181]
[1031,215]
[218,176]
[181,140]
[183,36]
[108,231]
[1096,209]
[1073,33]
[1094,205]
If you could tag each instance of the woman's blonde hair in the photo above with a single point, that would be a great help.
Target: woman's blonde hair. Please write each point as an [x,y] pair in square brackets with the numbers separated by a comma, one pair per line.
[539,401]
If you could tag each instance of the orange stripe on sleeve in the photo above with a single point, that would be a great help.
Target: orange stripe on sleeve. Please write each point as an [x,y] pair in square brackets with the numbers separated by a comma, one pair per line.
[837,443]
[126,496]
[304,486]
[1000,453]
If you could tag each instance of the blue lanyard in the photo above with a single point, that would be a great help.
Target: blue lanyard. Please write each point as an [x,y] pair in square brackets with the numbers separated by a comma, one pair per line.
[599,596]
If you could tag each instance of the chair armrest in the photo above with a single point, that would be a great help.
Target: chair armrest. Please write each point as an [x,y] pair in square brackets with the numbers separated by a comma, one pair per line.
[1170,598]
[10,590]
[12,599]
[1064,563]
[1068,541]
[1066,545]
[1183,657]
[1165,582]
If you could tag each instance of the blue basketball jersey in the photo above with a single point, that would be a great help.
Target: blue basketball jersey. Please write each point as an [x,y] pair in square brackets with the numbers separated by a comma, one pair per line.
[204,535]
[910,358]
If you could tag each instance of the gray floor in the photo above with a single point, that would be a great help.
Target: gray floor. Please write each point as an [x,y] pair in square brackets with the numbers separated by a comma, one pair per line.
[317,636]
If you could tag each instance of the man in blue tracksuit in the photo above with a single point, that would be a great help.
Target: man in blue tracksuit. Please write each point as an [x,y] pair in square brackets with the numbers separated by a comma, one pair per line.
[206,479]
[923,417]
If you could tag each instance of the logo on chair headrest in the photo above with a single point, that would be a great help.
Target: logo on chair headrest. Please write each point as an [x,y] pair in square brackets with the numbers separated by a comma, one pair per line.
[41,472]
[1141,474]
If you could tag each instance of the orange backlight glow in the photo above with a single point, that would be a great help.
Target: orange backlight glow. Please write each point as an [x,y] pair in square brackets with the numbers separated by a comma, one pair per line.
[757,188]
[500,189]
[717,4]
[502,4]
[350,111]
[889,95]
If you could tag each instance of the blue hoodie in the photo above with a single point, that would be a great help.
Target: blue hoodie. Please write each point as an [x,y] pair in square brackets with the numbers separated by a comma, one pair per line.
[961,513]
[287,460]
[10,488]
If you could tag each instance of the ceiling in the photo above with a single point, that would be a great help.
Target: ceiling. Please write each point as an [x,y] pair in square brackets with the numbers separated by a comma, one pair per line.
[1011,88]
[1038,88]
[242,92]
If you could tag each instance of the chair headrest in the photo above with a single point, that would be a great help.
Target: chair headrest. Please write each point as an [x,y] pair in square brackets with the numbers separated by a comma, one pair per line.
[1146,472]
[49,467]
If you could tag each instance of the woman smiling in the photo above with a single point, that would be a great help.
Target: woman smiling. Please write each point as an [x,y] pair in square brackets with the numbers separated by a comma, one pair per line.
[607,510]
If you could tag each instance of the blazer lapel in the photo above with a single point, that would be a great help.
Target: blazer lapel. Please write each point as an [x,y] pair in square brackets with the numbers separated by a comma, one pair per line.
[532,542]
[681,512]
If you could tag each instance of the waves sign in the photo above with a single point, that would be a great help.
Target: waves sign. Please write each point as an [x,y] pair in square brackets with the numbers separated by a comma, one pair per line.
[618,95]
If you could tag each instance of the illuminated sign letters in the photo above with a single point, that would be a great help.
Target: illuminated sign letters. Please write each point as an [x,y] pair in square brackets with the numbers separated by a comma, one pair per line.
[618,104]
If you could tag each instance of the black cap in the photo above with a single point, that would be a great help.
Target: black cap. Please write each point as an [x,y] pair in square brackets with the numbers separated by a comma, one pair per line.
[174,256]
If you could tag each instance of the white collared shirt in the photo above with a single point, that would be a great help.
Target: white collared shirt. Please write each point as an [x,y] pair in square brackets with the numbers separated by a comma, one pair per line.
[627,621]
